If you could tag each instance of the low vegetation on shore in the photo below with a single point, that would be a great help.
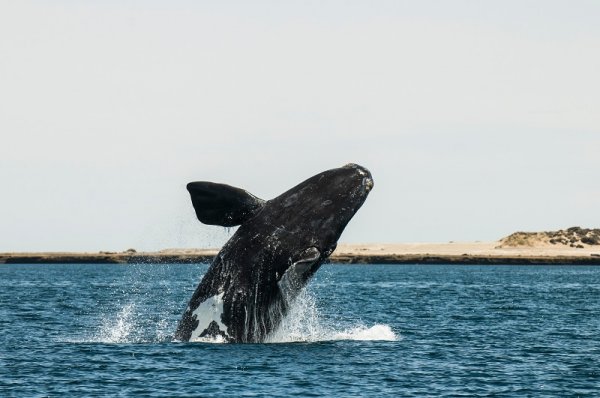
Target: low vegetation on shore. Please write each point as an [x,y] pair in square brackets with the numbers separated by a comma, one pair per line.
[575,237]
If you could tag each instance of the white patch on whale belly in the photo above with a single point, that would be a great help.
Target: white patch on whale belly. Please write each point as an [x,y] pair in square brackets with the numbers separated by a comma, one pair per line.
[210,310]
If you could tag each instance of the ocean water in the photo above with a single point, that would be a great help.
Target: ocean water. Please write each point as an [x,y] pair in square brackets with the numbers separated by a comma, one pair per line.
[359,330]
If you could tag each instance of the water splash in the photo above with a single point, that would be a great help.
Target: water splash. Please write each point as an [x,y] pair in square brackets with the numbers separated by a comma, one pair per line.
[129,325]
[140,313]
[118,330]
[164,330]
[303,323]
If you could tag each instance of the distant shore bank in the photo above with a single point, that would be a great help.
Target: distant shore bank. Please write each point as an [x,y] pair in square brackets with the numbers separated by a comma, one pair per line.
[372,253]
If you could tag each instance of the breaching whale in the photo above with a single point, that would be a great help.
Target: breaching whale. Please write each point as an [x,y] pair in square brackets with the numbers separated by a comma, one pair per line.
[279,245]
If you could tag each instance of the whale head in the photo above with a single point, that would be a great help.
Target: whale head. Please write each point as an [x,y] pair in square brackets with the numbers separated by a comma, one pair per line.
[307,220]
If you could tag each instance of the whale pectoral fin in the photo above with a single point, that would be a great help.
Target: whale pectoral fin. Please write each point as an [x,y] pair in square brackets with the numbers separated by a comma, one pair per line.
[221,204]
[300,270]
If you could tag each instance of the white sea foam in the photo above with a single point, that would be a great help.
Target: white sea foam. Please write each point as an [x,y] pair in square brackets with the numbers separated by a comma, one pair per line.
[376,332]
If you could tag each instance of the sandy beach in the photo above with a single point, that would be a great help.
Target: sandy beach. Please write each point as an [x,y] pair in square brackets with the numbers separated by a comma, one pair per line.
[368,253]
[462,248]
[465,252]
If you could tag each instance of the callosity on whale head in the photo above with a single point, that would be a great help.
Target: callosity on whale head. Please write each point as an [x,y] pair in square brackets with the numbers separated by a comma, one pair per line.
[279,245]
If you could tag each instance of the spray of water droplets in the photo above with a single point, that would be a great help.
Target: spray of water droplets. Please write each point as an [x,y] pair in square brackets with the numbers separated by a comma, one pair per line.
[303,323]
[118,330]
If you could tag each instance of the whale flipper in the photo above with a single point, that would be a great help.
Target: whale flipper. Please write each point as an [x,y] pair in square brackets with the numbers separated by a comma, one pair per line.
[221,204]
[300,271]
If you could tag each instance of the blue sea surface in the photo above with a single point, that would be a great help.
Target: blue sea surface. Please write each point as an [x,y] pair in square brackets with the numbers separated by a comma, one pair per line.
[360,330]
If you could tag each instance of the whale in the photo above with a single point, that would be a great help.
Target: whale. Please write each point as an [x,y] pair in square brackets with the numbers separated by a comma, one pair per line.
[279,245]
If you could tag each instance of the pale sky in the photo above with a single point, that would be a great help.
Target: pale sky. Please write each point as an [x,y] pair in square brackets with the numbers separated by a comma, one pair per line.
[476,118]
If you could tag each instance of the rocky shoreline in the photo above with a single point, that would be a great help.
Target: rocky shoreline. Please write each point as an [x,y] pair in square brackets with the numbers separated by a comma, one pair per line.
[418,253]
